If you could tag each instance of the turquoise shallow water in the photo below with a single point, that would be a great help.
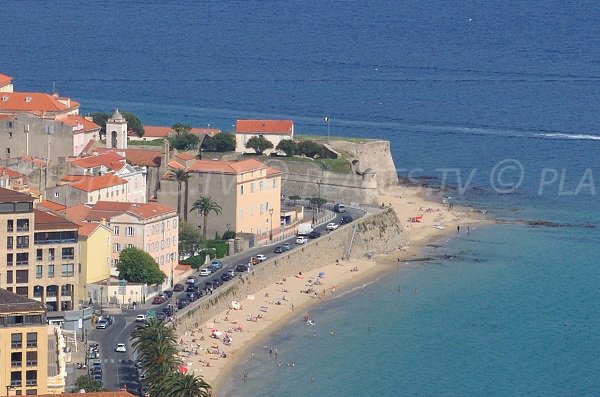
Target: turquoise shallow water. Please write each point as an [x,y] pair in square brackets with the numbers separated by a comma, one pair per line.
[490,95]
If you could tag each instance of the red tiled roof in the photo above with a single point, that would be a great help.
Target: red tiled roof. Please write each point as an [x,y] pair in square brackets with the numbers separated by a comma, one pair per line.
[77,213]
[142,157]
[36,161]
[47,221]
[110,160]
[153,131]
[140,210]
[273,171]
[226,167]
[87,228]
[5,80]
[34,101]
[75,120]
[264,127]
[185,156]
[11,173]
[92,183]
[175,164]
[51,205]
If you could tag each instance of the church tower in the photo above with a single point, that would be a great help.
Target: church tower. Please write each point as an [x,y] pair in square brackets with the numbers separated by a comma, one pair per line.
[116,131]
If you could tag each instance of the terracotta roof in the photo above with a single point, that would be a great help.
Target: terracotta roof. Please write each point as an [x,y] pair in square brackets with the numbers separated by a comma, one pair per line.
[35,101]
[77,213]
[98,394]
[226,167]
[10,196]
[5,80]
[92,183]
[13,303]
[185,156]
[148,158]
[264,126]
[6,117]
[75,120]
[36,161]
[87,228]
[140,210]
[11,173]
[273,171]
[51,205]
[110,160]
[153,131]
[175,164]
[47,221]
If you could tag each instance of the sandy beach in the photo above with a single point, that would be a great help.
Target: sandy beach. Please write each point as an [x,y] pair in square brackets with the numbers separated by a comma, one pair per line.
[212,348]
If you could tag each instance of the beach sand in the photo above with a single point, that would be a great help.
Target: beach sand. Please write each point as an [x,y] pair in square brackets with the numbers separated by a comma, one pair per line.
[203,349]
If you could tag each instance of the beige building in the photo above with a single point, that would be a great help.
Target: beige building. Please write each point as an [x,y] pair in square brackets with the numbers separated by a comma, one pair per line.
[24,338]
[95,245]
[248,191]
[273,130]
[151,227]
[40,253]
[88,189]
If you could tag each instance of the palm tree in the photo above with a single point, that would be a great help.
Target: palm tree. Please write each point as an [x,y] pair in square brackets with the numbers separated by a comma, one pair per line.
[182,176]
[185,385]
[205,205]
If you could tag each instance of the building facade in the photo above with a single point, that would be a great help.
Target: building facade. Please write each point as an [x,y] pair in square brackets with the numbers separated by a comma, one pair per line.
[95,246]
[272,130]
[86,189]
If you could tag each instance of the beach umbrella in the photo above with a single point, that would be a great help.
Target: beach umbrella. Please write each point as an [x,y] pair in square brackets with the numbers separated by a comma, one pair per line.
[182,369]
[235,305]
[322,274]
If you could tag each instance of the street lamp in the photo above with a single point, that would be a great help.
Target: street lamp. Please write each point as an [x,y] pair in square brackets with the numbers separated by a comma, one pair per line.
[172,274]
[271,234]
[326,119]
[101,299]
[8,388]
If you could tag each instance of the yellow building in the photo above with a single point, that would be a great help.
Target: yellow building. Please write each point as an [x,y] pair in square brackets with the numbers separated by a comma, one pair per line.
[24,345]
[95,244]
[248,191]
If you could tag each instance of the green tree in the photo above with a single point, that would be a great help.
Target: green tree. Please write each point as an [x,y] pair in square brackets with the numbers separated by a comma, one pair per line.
[310,149]
[259,144]
[318,201]
[137,266]
[221,142]
[185,385]
[156,347]
[87,383]
[288,146]
[205,205]
[133,122]
[182,177]
[183,139]
[228,235]
[295,198]
[190,240]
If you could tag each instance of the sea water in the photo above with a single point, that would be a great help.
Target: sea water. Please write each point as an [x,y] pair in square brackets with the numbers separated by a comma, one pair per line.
[497,102]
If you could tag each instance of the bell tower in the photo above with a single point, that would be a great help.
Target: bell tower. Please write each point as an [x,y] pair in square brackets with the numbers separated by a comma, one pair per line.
[116,131]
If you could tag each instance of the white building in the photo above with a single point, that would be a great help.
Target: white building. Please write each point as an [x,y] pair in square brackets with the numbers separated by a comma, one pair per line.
[273,130]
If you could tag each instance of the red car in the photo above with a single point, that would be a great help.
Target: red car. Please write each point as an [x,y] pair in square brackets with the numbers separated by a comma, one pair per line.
[158,300]
[178,288]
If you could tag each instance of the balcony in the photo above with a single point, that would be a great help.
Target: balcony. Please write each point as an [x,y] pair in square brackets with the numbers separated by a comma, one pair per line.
[16,345]
[16,363]
[23,228]
[32,363]
[68,256]
[23,245]
[68,274]
[15,382]
[31,344]
[31,382]
[22,263]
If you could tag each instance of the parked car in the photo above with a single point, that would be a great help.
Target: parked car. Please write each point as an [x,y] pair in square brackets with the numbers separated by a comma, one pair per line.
[231,272]
[161,316]
[140,318]
[178,287]
[287,246]
[261,257]
[216,264]
[314,234]
[192,297]
[168,294]
[158,300]
[340,208]
[182,303]
[332,226]
[253,260]
[121,348]
[102,324]
[191,280]
[226,277]
[346,219]
[241,268]
[190,288]
[278,250]
[205,272]
[301,240]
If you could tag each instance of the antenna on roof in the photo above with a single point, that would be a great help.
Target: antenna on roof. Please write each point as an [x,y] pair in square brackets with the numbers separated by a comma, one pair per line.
[54,88]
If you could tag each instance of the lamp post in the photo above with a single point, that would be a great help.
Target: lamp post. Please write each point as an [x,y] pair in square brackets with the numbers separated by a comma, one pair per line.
[271,233]
[326,119]
[8,388]
[172,273]
[101,299]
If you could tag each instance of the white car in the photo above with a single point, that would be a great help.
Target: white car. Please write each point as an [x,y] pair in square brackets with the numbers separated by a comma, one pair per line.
[332,226]
[121,348]
[261,257]
[205,272]
[301,240]
[140,318]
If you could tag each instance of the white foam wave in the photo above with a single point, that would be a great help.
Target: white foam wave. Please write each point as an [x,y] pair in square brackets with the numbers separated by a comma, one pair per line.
[560,135]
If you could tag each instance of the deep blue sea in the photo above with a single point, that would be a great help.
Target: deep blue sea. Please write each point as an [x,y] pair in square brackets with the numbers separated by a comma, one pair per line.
[497,101]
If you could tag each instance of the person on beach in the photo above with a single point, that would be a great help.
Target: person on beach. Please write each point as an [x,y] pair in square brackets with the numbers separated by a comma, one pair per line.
[458,229]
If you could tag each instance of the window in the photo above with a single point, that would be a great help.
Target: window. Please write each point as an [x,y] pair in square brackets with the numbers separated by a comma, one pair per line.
[8,151]
[241,213]
[51,254]
[38,254]
[115,262]
[274,183]
[117,247]
[116,230]
[252,187]
[9,242]
[22,241]
[31,378]
[260,186]
[32,339]
[9,225]
[174,223]
[9,259]
[129,245]
[251,211]
[30,392]
[68,270]
[39,271]
[262,208]
[68,253]
[23,258]
[22,276]
[241,189]
[16,359]
[22,225]
[16,341]
[9,276]
[15,378]
[50,271]
[31,359]
[23,291]
[129,231]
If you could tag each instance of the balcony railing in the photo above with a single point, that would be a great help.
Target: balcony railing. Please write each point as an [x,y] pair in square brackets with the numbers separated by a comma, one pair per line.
[32,363]
[22,228]
[23,262]
[16,363]
[31,344]
[31,382]
[51,293]
[15,382]
[23,245]
[68,274]
[68,256]
[16,345]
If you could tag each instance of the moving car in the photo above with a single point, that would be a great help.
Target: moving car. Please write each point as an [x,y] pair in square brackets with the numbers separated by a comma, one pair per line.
[332,226]
[205,272]
[140,318]
[301,240]
[261,257]
[158,300]
[346,219]
[191,280]
[241,268]
[102,324]
[216,264]
[314,234]
[226,277]
[287,246]
[121,348]
[253,260]
[278,250]
[339,208]
[178,288]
